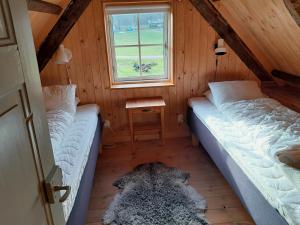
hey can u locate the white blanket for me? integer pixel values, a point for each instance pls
(59, 121)
(264, 171)
(270, 127)
(71, 139)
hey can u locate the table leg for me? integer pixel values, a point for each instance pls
(162, 124)
(130, 120)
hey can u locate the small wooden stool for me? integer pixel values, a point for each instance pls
(144, 106)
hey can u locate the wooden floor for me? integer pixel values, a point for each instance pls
(224, 207)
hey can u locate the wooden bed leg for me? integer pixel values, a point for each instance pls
(195, 141)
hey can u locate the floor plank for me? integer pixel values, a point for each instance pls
(224, 208)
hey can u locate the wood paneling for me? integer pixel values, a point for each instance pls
(194, 67)
(268, 29)
(288, 96)
(60, 30)
(42, 23)
(224, 207)
(221, 26)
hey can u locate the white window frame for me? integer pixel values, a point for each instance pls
(134, 8)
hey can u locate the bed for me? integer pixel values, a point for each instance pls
(261, 184)
(76, 148)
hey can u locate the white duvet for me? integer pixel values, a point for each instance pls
(271, 128)
(59, 121)
(71, 140)
(252, 132)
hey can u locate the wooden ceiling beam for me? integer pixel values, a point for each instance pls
(221, 26)
(45, 7)
(293, 7)
(60, 31)
(291, 78)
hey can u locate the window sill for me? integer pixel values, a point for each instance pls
(142, 85)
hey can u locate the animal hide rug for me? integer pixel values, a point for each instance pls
(154, 194)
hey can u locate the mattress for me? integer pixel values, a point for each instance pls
(72, 155)
(263, 172)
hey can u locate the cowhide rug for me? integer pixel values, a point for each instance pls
(154, 194)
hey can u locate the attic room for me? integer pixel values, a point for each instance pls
(151, 112)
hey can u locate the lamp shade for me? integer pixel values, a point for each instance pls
(220, 48)
(63, 55)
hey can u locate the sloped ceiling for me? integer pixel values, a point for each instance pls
(268, 29)
(42, 23)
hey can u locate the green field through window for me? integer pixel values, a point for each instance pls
(132, 57)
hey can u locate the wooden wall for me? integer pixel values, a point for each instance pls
(42, 23)
(195, 66)
(268, 29)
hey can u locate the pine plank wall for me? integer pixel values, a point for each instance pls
(194, 67)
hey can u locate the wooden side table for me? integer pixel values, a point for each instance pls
(144, 106)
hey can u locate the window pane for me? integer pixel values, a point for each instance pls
(152, 61)
(127, 60)
(124, 28)
(152, 28)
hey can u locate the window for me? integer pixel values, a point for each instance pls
(139, 43)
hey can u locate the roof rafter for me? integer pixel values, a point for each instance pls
(291, 78)
(43, 6)
(223, 28)
(60, 31)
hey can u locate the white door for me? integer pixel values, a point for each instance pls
(26, 157)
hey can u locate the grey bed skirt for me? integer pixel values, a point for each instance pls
(81, 204)
(255, 203)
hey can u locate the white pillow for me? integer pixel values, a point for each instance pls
(230, 91)
(60, 97)
(209, 96)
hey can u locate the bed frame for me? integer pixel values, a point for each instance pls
(81, 204)
(255, 203)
